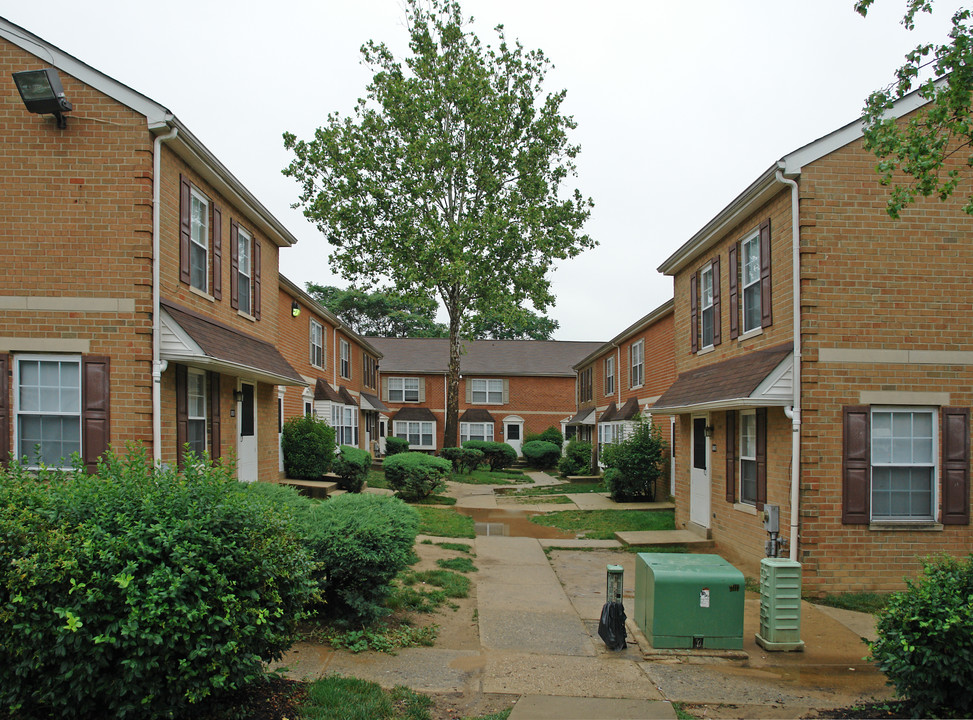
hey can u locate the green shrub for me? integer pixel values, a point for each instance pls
(352, 466)
(416, 476)
(541, 455)
(640, 460)
(925, 639)
(308, 446)
(499, 455)
(140, 592)
(396, 445)
(551, 435)
(576, 460)
(463, 459)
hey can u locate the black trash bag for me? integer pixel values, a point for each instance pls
(611, 628)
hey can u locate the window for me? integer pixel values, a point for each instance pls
(317, 344)
(750, 280)
(610, 375)
(196, 430)
(903, 451)
(244, 272)
(344, 419)
(748, 458)
(345, 368)
(403, 389)
(610, 433)
(488, 391)
(707, 310)
(369, 371)
(418, 433)
(479, 431)
(198, 240)
(585, 391)
(48, 408)
(636, 360)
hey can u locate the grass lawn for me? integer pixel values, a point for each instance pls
(603, 524)
(860, 602)
(563, 489)
(348, 698)
(485, 477)
(440, 522)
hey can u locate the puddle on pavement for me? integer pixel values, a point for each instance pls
(511, 523)
(860, 678)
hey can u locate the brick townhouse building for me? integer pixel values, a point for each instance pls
(508, 388)
(825, 365)
(139, 299)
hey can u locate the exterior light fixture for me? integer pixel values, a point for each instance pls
(42, 93)
(295, 308)
(238, 396)
(709, 431)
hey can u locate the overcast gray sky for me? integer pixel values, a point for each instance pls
(680, 105)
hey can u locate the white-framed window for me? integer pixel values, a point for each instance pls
(196, 429)
(419, 433)
(344, 420)
(748, 458)
(488, 391)
(707, 311)
(403, 389)
(637, 363)
(477, 431)
(317, 344)
(903, 459)
(345, 369)
(750, 281)
(610, 375)
(198, 240)
(47, 401)
(244, 271)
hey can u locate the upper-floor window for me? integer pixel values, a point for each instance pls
(610, 375)
(403, 389)
(317, 344)
(903, 459)
(748, 458)
(637, 363)
(244, 272)
(585, 388)
(198, 240)
(345, 368)
(706, 307)
(488, 391)
(369, 370)
(750, 280)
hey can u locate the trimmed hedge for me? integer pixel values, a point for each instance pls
(576, 460)
(499, 455)
(468, 459)
(416, 476)
(396, 445)
(352, 466)
(640, 460)
(551, 435)
(541, 455)
(308, 446)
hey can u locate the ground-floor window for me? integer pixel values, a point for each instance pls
(748, 458)
(477, 431)
(420, 434)
(344, 419)
(47, 396)
(903, 459)
(196, 406)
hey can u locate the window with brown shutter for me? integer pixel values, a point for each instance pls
(734, 276)
(761, 457)
(855, 465)
(95, 407)
(185, 190)
(717, 310)
(694, 312)
(182, 412)
(956, 466)
(4, 409)
(256, 278)
(234, 265)
(217, 241)
(214, 410)
(731, 461)
(766, 308)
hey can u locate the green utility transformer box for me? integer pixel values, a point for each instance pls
(685, 600)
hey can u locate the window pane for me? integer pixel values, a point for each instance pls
(748, 481)
(751, 307)
(196, 436)
(748, 436)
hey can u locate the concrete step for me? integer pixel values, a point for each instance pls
(313, 488)
(660, 538)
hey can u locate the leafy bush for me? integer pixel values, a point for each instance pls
(499, 455)
(308, 446)
(468, 459)
(415, 475)
(541, 455)
(925, 639)
(576, 460)
(551, 435)
(139, 592)
(352, 466)
(396, 445)
(640, 460)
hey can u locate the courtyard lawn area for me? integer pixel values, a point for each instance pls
(376, 478)
(440, 522)
(562, 489)
(603, 524)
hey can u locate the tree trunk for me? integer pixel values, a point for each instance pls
(451, 431)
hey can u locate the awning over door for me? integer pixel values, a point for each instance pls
(371, 402)
(585, 417)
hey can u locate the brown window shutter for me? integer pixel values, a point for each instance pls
(506, 391)
(182, 412)
(766, 307)
(731, 458)
(856, 465)
(256, 279)
(217, 241)
(694, 311)
(761, 458)
(717, 311)
(234, 265)
(95, 405)
(185, 225)
(956, 466)
(734, 280)
(469, 390)
(385, 389)
(422, 389)
(4, 409)
(215, 419)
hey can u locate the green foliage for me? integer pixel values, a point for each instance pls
(381, 313)
(308, 446)
(463, 459)
(925, 639)
(499, 455)
(416, 475)
(347, 698)
(140, 592)
(603, 524)
(914, 157)
(541, 455)
(453, 584)
(576, 460)
(872, 603)
(551, 435)
(438, 522)
(395, 445)
(459, 564)
(352, 466)
(458, 547)
(379, 638)
(513, 323)
(640, 460)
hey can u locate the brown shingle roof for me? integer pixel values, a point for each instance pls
(346, 397)
(477, 415)
(324, 391)
(609, 414)
(629, 410)
(415, 414)
(374, 402)
(585, 417)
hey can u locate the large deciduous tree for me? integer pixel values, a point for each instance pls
(380, 314)
(914, 157)
(447, 179)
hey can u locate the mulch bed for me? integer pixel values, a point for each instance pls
(891, 709)
(276, 699)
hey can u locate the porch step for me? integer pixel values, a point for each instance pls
(314, 488)
(661, 538)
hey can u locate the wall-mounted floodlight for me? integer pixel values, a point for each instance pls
(295, 309)
(42, 93)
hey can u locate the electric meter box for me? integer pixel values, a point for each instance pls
(684, 600)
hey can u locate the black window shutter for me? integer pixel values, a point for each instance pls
(731, 459)
(717, 314)
(234, 265)
(734, 271)
(217, 253)
(185, 207)
(256, 280)
(4, 409)
(95, 406)
(214, 410)
(694, 311)
(761, 458)
(766, 306)
(182, 412)
(956, 466)
(856, 464)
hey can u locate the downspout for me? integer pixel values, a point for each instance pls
(794, 412)
(158, 365)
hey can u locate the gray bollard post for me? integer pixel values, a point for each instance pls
(616, 581)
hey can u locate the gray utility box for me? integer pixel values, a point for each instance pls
(684, 600)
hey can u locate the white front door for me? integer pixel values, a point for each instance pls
(699, 489)
(382, 425)
(513, 432)
(246, 451)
